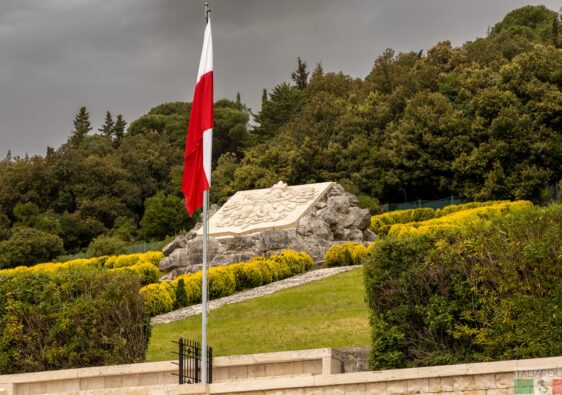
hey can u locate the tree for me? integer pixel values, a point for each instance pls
(81, 127)
(283, 104)
(263, 97)
(119, 129)
(107, 128)
(26, 214)
(27, 246)
(106, 245)
(555, 32)
(164, 215)
(5, 231)
(300, 75)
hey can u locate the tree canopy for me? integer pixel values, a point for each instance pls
(480, 121)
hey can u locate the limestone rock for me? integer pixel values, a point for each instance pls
(323, 214)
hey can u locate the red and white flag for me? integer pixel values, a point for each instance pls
(198, 147)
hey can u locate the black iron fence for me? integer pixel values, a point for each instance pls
(190, 361)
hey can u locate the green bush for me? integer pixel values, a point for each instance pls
(74, 318)
(106, 245)
(181, 295)
(485, 291)
(27, 246)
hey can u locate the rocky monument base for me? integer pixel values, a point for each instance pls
(263, 222)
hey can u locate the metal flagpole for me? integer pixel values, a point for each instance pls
(205, 294)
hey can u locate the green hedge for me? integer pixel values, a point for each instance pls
(483, 292)
(224, 281)
(73, 318)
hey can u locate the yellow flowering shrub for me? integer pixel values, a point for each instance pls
(225, 280)
(457, 218)
(145, 271)
(108, 262)
(55, 266)
(380, 224)
(345, 254)
(158, 298)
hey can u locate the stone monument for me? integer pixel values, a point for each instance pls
(263, 222)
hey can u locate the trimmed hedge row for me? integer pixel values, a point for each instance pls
(224, 281)
(62, 319)
(489, 290)
(457, 218)
(144, 266)
(381, 224)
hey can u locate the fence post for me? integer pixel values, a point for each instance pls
(210, 361)
(181, 361)
(197, 357)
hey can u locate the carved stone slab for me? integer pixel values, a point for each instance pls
(258, 210)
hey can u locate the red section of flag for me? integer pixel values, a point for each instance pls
(201, 119)
(557, 386)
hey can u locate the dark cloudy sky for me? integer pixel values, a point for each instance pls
(129, 55)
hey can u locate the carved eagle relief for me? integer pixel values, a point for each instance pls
(272, 205)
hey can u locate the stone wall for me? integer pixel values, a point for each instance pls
(323, 378)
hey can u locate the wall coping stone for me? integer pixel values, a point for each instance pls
(166, 366)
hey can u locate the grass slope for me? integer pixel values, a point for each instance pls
(327, 313)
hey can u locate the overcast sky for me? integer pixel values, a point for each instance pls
(127, 56)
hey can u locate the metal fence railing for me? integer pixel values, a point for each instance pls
(439, 203)
(190, 361)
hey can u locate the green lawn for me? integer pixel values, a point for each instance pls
(326, 313)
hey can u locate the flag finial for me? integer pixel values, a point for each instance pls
(207, 12)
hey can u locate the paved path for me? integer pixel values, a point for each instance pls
(252, 293)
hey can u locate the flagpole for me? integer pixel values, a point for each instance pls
(204, 291)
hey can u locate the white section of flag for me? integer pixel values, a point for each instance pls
(207, 153)
(206, 62)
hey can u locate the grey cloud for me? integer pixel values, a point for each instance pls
(129, 55)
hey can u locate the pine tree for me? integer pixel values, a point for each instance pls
(263, 97)
(8, 157)
(107, 127)
(238, 100)
(317, 72)
(119, 129)
(81, 127)
(300, 75)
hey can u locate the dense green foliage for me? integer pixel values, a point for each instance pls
(27, 244)
(67, 319)
(487, 291)
(106, 245)
(125, 185)
(481, 121)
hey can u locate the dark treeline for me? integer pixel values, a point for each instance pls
(481, 121)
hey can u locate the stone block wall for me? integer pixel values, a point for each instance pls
(313, 372)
